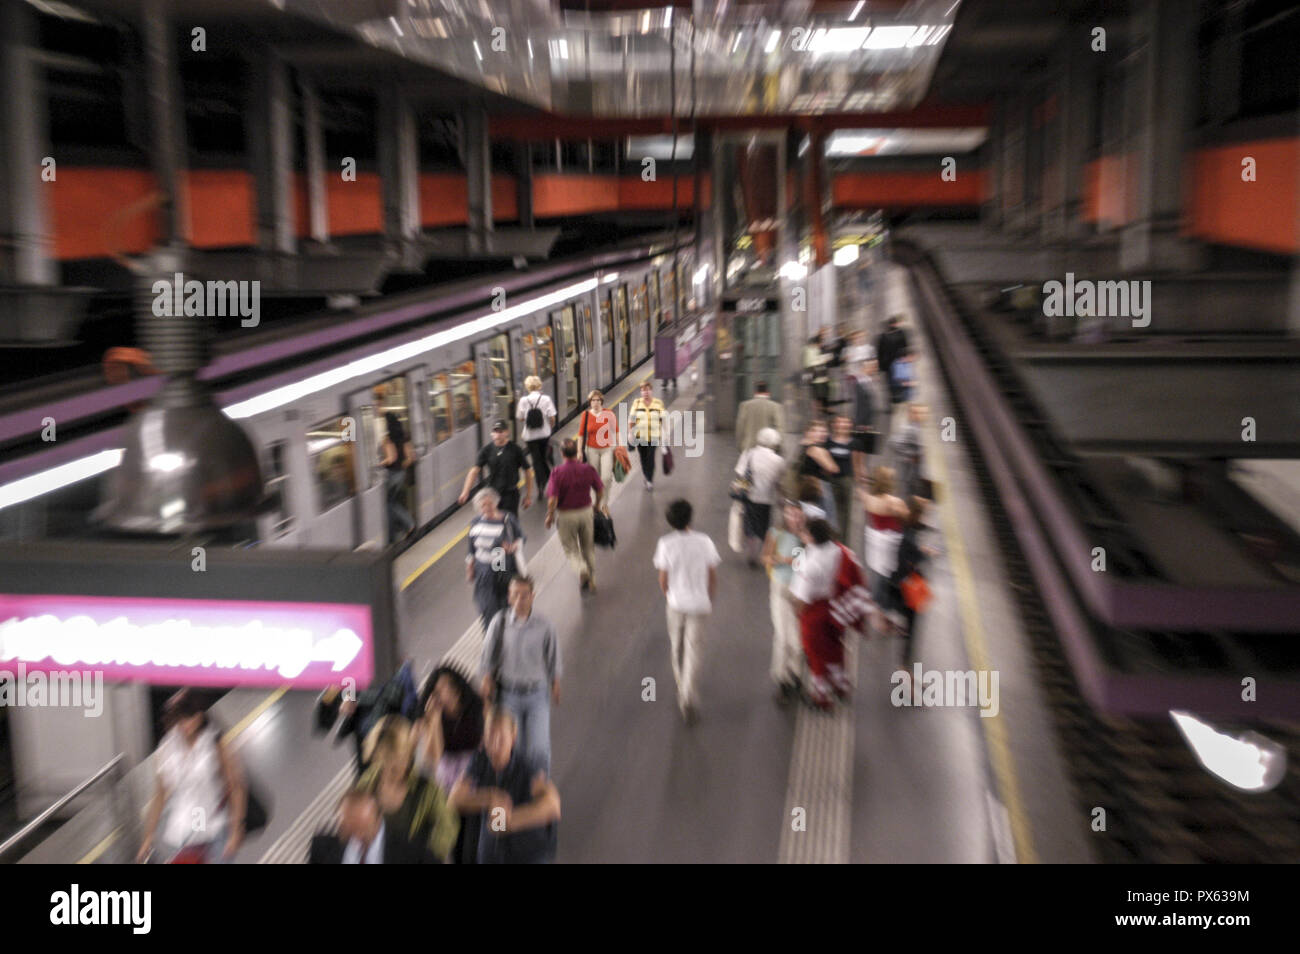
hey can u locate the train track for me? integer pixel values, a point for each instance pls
(1160, 805)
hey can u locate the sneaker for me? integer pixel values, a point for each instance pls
(649, 484)
(690, 715)
(584, 585)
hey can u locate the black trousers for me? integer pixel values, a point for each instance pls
(647, 452)
(541, 465)
(510, 501)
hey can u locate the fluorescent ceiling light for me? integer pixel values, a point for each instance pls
(920, 36)
(773, 39)
(839, 39)
(856, 10)
(845, 255)
(1248, 761)
(794, 271)
(56, 478)
(889, 37)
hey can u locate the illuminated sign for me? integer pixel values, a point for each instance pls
(190, 641)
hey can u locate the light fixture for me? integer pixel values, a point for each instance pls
(889, 38)
(772, 40)
(794, 271)
(845, 255)
(856, 10)
(1247, 761)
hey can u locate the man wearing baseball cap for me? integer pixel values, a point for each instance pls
(502, 459)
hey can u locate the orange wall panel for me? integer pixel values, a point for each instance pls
(81, 203)
(355, 208)
(223, 209)
(557, 195)
(905, 189)
(1264, 214)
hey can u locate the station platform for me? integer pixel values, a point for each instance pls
(877, 783)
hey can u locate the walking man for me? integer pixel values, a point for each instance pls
(758, 412)
(520, 667)
(569, 503)
(687, 562)
(502, 459)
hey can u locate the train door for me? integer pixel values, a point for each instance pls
(496, 381)
(567, 382)
(537, 351)
(394, 418)
(640, 323)
(423, 479)
(279, 525)
(454, 401)
(345, 455)
(586, 329)
(607, 344)
(623, 330)
(653, 292)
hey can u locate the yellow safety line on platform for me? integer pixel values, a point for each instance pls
(973, 631)
(93, 855)
(541, 492)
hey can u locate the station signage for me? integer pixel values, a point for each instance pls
(140, 612)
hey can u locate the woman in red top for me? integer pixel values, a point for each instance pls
(598, 436)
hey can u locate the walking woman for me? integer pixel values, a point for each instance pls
(536, 417)
(840, 446)
(912, 557)
(199, 787)
(493, 561)
(649, 429)
(884, 520)
(816, 461)
(782, 546)
(761, 467)
(446, 737)
(598, 436)
(415, 806)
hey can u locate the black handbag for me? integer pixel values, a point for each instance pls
(602, 528)
(255, 813)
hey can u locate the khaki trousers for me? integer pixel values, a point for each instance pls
(578, 541)
(684, 636)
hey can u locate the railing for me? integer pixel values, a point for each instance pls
(112, 767)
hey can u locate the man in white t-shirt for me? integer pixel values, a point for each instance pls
(687, 562)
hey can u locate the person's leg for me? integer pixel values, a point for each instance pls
(842, 491)
(647, 454)
(587, 543)
(510, 502)
(536, 732)
(541, 469)
(691, 630)
(777, 604)
(607, 468)
(818, 683)
(676, 624)
(569, 525)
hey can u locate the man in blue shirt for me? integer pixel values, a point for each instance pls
(520, 806)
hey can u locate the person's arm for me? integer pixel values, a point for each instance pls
(768, 556)
(156, 806)
(741, 424)
(390, 452)
(663, 581)
(409, 451)
(238, 795)
(823, 457)
(434, 744)
(713, 582)
(551, 649)
(601, 504)
(470, 480)
(468, 800)
(528, 480)
(488, 688)
(542, 810)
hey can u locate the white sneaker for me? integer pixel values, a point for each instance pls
(648, 484)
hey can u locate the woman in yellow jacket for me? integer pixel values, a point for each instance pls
(647, 424)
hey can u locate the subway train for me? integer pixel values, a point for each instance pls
(314, 399)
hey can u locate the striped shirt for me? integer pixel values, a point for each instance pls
(486, 536)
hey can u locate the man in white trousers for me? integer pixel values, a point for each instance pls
(687, 562)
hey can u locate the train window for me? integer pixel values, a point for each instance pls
(390, 398)
(277, 489)
(569, 351)
(607, 317)
(332, 455)
(528, 345)
(464, 395)
(586, 324)
(440, 406)
(545, 353)
(654, 300)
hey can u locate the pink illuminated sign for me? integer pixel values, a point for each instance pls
(189, 642)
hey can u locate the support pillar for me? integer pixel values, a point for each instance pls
(270, 146)
(313, 138)
(478, 173)
(1069, 137)
(991, 207)
(1012, 155)
(524, 184)
(24, 133)
(1160, 111)
(399, 168)
(166, 120)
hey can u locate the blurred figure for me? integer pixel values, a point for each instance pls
(494, 538)
(840, 446)
(859, 350)
(649, 429)
(503, 459)
(827, 592)
(815, 359)
(398, 456)
(757, 413)
(598, 432)
(198, 786)
(569, 501)
(884, 530)
(687, 562)
(780, 550)
(536, 418)
(889, 345)
(446, 737)
(414, 806)
(902, 383)
(912, 558)
(815, 461)
(364, 838)
(521, 668)
(909, 450)
(517, 804)
(762, 468)
(868, 402)
(356, 717)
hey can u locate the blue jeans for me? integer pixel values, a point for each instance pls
(399, 518)
(532, 710)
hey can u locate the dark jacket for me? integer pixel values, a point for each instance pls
(889, 346)
(328, 850)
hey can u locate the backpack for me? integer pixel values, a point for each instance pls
(534, 420)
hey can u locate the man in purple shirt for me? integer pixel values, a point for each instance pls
(569, 493)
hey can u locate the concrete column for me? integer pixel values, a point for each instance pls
(524, 183)
(24, 138)
(1070, 136)
(167, 122)
(314, 147)
(991, 208)
(399, 167)
(270, 148)
(478, 174)
(1160, 92)
(1012, 155)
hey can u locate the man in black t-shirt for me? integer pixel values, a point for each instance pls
(502, 459)
(520, 806)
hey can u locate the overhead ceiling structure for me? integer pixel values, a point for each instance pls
(749, 58)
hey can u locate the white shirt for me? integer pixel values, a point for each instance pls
(766, 468)
(687, 556)
(814, 574)
(374, 854)
(195, 785)
(543, 403)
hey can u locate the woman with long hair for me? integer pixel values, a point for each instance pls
(415, 805)
(446, 737)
